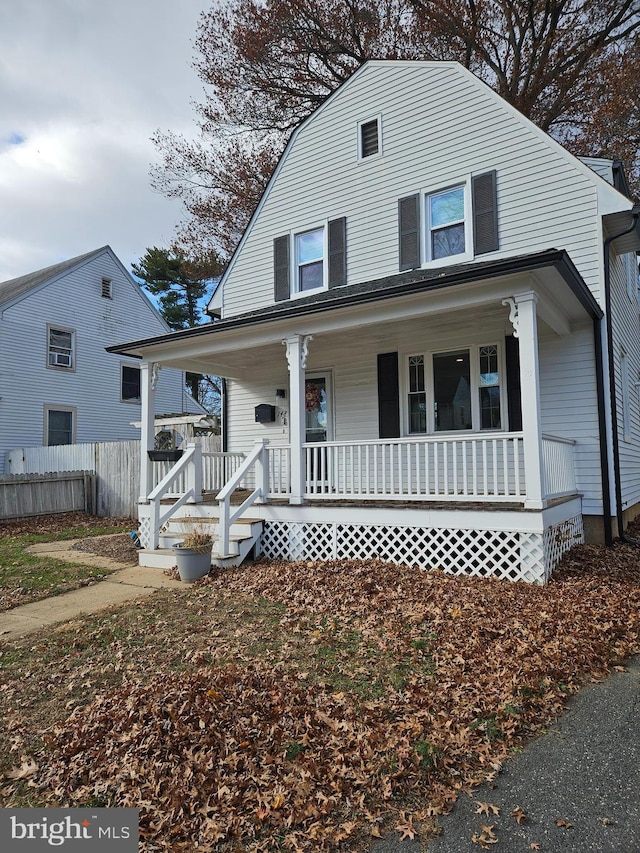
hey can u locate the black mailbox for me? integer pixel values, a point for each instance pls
(265, 414)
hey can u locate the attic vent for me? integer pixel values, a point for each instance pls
(106, 288)
(369, 138)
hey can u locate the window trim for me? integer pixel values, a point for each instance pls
(52, 407)
(64, 368)
(136, 401)
(378, 154)
(474, 363)
(294, 293)
(625, 384)
(631, 275)
(425, 228)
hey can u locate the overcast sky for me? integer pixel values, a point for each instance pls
(83, 85)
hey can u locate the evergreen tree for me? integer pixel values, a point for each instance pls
(179, 283)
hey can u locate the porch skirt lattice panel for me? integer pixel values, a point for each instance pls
(559, 539)
(511, 555)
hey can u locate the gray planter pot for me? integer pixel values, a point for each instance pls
(193, 563)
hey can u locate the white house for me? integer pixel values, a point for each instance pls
(430, 328)
(58, 385)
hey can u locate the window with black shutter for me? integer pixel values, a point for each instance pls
(409, 231)
(456, 222)
(485, 213)
(337, 252)
(310, 260)
(388, 395)
(281, 275)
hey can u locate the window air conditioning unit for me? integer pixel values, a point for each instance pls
(60, 359)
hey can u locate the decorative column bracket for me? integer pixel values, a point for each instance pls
(297, 346)
(514, 318)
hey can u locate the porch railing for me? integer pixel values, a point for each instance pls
(470, 468)
(217, 468)
(559, 473)
(466, 468)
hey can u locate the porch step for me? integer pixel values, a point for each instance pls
(239, 546)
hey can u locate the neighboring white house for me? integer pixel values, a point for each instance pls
(432, 320)
(58, 385)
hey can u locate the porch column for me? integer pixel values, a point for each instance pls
(297, 348)
(148, 382)
(525, 324)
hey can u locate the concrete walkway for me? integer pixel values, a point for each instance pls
(125, 584)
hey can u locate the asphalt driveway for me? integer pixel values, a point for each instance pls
(576, 788)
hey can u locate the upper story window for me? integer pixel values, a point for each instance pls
(309, 254)
(310, 260)
(448, 224)
(369, 141)
(106, 291)
(60, 345)
(130, 384)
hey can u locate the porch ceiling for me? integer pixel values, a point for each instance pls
(230, 347)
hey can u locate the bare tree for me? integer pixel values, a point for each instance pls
(566, 64)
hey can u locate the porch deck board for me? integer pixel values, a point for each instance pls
(209, 499)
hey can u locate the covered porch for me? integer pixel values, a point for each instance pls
(304, 424)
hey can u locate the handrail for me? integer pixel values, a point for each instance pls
(170, 476)
(259, 458)
(191, 462)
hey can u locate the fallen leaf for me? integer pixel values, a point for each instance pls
(27, 768)
(519, 814)
(564, 823)
(485, 838)
(486, 808)
(406, 829)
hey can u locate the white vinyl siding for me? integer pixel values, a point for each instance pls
(545, 199)
(626, 335)
(74, 301)
(568, 398)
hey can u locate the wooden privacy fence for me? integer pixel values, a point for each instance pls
(22, 495)
(115, 464)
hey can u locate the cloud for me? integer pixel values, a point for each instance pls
(84, 86)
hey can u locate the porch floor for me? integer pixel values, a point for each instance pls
(240, 495)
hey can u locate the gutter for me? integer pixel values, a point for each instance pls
(635, 213)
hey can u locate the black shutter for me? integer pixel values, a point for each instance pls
(485, 213)
(514, 398)
(337, 252)
(409, 232)
(281, 268)
(388, 395)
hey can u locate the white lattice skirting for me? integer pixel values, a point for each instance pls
(512, 555)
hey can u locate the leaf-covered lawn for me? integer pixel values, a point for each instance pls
(26, 577)
(306, 706)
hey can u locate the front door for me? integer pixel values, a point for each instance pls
(318, 428)
(316, 407)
